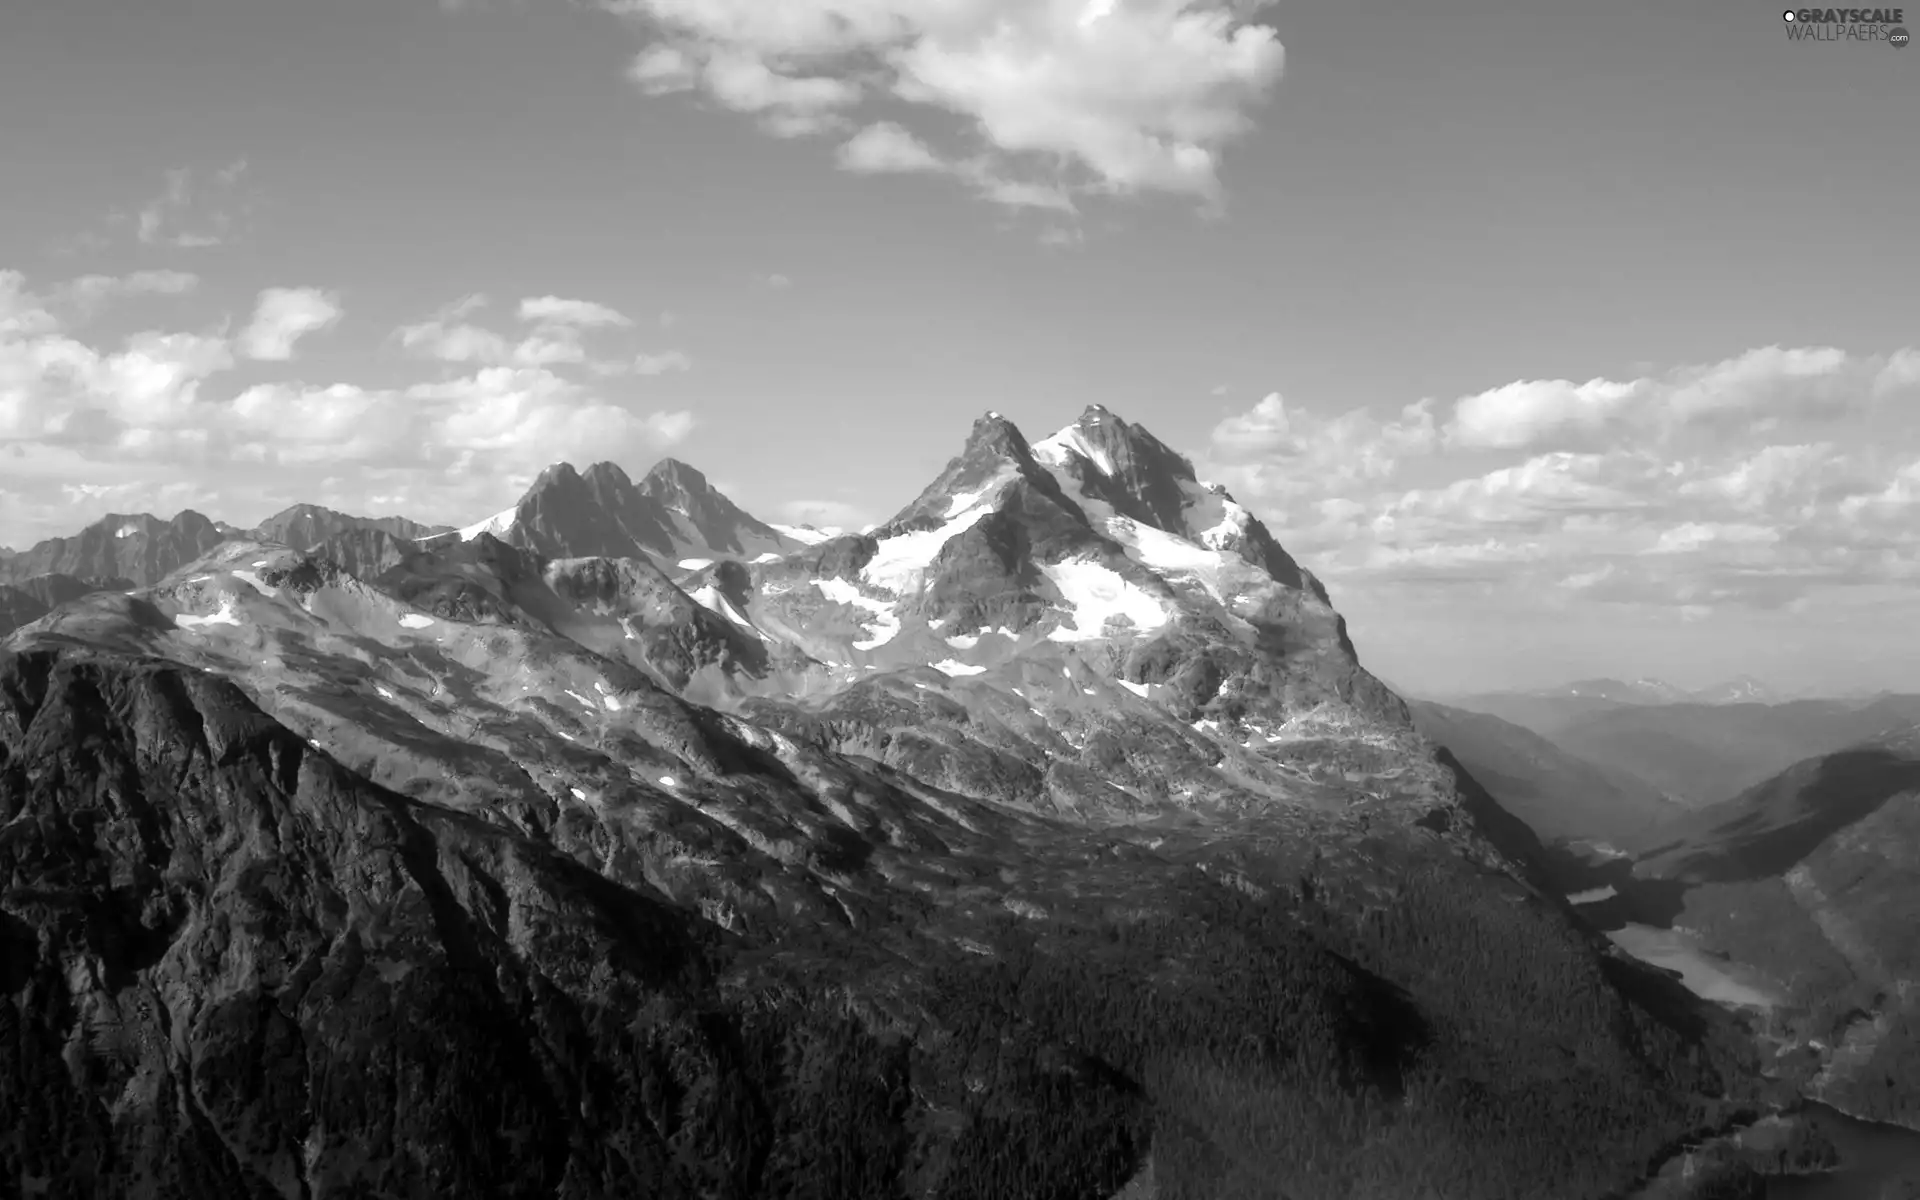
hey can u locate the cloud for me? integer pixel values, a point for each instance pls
(89, 292)
(1775, 478)
(192, 211)
(661, 364)
(1104, 97)
(585, 313)
(1771, 382)
(558, 338)
(156, 409)
(285, 315)
(885, 147)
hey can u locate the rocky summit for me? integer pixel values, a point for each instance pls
(1048, 840)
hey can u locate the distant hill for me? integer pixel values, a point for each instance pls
(1559, 795)
(1699, 753)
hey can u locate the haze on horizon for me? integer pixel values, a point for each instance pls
(1521, 329)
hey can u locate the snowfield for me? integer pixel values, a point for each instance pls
(416, 621)
(1097, 595)
(253, 581)
(806, 536)
(695, 564)
(1055, 451)
(226, 616)
(496, 524)
(900, 561)
(955, 667)
(885, 625)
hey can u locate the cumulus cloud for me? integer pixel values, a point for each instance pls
(1119, 98)
(559, 337)
(584, 313)
(283, 316)
(156, 409)
(885, 147)
(1771, 382)
(1756, 483)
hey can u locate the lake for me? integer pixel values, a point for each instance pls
(1705, 976)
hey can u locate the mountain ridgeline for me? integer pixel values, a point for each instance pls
(1047, 841)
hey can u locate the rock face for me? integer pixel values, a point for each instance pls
(140, 547)
(672, 514)
(303, 526)
(1050, 828)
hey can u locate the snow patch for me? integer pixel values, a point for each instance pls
(253, 581)
(1138, 689)
(195, 579)
(1098, 594)
(955, 667)
(669, 781)
(695, 564)
(901, 560)
(808, 536)
(709, 598)
(226, 616)
(584, 702)
(383, 692)
(884, 626)
(416, 621)
(567, 735)
(1592, 896)
(963, 642)
(126, 531)
(1056, 450)
(578, 794)
(768, 557)
(496, 524)
(612, 703)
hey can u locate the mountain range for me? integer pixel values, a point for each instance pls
(1047, 839)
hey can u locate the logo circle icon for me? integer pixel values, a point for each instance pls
(1789, 15)
(1898, 36)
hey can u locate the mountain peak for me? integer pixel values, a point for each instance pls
(671, 476)
(606, 474)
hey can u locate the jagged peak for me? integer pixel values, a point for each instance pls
(607, 472)
(674, 473)
(560, 472)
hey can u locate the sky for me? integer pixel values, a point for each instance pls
(1559, 340)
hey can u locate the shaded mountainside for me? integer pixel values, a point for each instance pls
(1557, 794)
(31, 599)
(141, 548)
(234, 966)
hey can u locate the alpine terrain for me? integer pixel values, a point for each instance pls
(1048, 840)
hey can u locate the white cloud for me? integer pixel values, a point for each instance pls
(1119, 98)
(285, 315)
(1768, 383)
(661, 364)
(193, 211)
(151, 409)
(585, 313)
(885, 147)
(558, 338)
(91, 291)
